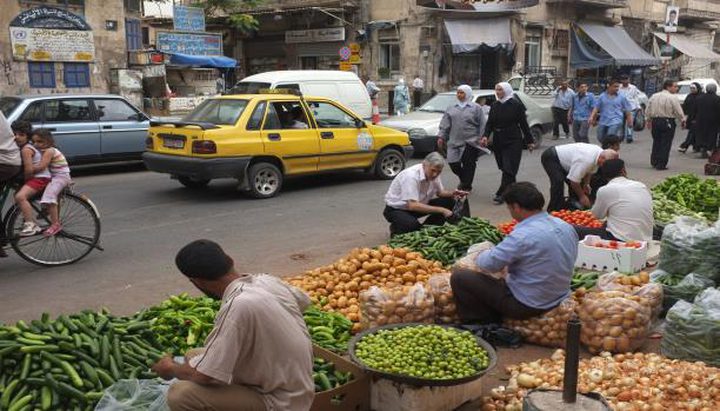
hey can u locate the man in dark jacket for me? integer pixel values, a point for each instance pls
(689, 108)
(707, 120)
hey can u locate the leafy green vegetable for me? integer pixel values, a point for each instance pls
(692, 192)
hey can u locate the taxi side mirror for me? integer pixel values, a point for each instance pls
(359, 123)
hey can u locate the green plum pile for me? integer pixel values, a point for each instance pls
(423, 351)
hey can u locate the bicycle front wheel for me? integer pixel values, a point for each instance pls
(79, 235)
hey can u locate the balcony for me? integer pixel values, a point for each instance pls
(604, 4)
(699, 10)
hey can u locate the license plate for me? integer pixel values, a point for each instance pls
(173, 142)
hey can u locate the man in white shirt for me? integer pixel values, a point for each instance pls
(10, 160)
(573, 164)
(632, 94)
(418, 192)
(627, 205)
(418, 86)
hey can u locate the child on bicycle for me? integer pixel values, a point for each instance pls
(53, 159)
(36, 177)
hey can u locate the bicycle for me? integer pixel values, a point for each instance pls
(79, 236)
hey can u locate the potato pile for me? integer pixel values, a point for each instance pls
(445, 307)
(548, 330)
(337, 287)
(400, 304)
(614, 321)
(636, 284)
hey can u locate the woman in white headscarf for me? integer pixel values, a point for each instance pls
(460, 130)
(401, 100)
(507, 125)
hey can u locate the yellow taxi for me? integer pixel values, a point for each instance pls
(259, 139)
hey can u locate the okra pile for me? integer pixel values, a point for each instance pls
(66, 363)
(448, 242)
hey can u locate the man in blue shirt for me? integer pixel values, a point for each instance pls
(579, 115)
(539, 255)
(560, 107)
(615, 112)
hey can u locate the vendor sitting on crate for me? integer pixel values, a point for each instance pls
(418, 192)
(539, 256)
(626, 204)
(258, 355)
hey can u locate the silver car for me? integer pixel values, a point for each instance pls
(87, 128)
(422, 124)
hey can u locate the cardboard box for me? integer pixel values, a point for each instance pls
(624, 260)
(394, 396)
(353, 396)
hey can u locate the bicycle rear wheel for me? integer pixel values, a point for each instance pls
(80, 233)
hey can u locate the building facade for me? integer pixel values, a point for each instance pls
(65, 46)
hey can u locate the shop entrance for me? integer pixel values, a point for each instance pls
(481, 70)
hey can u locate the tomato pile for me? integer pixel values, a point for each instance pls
(614, 245)
(577, 217)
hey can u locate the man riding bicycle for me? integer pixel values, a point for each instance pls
(9, 164)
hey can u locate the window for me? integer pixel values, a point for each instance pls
(33, 113)
(115, 110)
(133, 34)
(42, 75)
(256, 118)
(286, 116)
(330, 116)
(76, 75)
(390, 57)
(218, 111)
(67, 111)
(8, 105)
(132, 5)
(532, 51)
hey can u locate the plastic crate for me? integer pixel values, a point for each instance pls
(624, 260)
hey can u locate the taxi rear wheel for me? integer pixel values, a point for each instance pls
(265, 180)
(193, 183)
(389, 163)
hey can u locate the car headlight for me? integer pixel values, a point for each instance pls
(417, 133)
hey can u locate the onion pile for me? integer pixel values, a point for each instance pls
(630, 382)
(445, 306)
(549, 329)
(614, 321)
(337, 287)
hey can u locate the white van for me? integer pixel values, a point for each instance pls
(684, 86)
(342, 86)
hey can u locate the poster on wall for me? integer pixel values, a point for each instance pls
(672, 16)
(39, 44)
(196, 44)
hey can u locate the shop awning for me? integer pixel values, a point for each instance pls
(179, 59)
(467, 36)
(615, 43)
(689, 46)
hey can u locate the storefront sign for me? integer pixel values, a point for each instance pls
(312, 36)
(49, 17)
(33, 44)
(196, 44)
(188, 18)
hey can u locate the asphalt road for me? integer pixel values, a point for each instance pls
(147, 217)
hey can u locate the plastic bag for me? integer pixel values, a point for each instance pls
(445, 306)
(690, 246)
(402, 304)
(614, 321)
(635, 285)
(549, 329)
(692, 330)
(686, 289)
(468, 262)
(135, 395)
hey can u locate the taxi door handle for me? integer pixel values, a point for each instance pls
(274, 137)
(327, 135)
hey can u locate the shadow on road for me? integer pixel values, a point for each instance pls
(85, 170)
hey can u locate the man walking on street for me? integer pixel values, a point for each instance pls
(614, 110)
(632, 94)
(560, 107)
(707, 120)
(579, 115)
(663, 113)
(418, 86)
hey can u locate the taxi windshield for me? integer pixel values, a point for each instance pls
(218, 111)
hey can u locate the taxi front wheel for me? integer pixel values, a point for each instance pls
(388, 164)
(265, 180)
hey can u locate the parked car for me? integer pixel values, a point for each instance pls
(422, 124)
(343, 86)
(261, 139)
(87, 128)
(684, 86)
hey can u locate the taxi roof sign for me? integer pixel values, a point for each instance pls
(291, 91)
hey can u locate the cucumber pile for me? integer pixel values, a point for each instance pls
(328, 330)
(326, 377)
(448, 242)
(66, 363)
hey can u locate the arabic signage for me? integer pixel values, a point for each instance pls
(196, 44)
(481, 6)
(314, 36)
(188, 18)
(31, 44)
(51, 18)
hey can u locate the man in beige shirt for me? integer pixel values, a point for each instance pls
(258, 355)
(663, 112)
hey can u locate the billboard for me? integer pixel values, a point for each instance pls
(39, 44)
(196, 44)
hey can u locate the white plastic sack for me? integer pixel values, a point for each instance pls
(135, 395)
